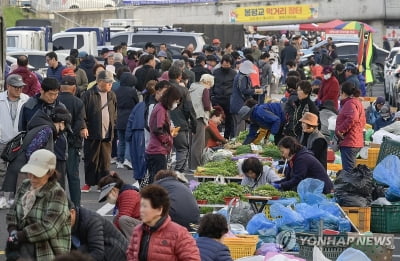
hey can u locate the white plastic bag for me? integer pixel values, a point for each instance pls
(318, 255)
(351, 254)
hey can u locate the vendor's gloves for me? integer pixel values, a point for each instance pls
(277, 186)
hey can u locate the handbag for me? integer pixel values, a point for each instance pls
(13, 147)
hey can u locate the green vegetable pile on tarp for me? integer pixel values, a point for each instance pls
(272, 151)
(269, 191)
(215, 193)
(226, 168)
(242, 136)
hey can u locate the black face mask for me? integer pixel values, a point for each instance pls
(225, 70)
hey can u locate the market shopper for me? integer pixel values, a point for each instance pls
(350, 125)
(200, 95)
(126, 200)
(184, 209)
(96, 236)
(256, 174)
(39, 222)
(211, 231)
(159, 238)
(313, 139)
(301, 164)
(161, 134)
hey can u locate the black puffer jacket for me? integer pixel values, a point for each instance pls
(145, 74)
(98, 237)
(87, 65)
(223, 85)
(127, 98)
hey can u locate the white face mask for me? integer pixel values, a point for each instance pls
(327, 76)
(174, 105)
(111, 198)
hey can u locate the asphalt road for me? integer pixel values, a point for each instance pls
(89, 200)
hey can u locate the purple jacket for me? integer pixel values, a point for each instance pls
(160, 135)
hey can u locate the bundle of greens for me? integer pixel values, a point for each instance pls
(272, 151)
(269, 191)
(215, 193)
(226, 168)
(242, 136)
(243, 149)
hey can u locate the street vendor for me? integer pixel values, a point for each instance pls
(268, 116)
(213, 138)
(255, 174)
(301, 165)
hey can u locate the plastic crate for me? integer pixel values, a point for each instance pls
(334, 167)
(372, 158)
(388, 147)
(360, 216)
(330, 251)
(241, 246)
(378, 251)
(386, 218)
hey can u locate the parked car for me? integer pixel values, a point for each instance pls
(37, 59)
(172, 49)
(80, 4)
(159, 36)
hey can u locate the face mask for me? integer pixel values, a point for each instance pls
(111, 198)
(327, 76)
(225, 70)
(174, 105)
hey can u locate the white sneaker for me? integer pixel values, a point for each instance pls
(136, 184)
(127, 164)
(113, 160)
(120, 165)
(3, 203)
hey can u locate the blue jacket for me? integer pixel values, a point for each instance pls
(212, 250)
(134, 135)
(242, 91)
(380, 122)
(304, 165)
(354, 79)
(55, 72)
(267, 116)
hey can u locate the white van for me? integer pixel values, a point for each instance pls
(159, 36)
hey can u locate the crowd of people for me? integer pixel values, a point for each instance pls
(135, 109)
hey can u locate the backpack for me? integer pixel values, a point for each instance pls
(13, 147)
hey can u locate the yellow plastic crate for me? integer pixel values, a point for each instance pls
(360, 216)
(372, 158)
(242, 245)
(334, 167)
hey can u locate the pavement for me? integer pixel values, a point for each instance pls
(89, 200)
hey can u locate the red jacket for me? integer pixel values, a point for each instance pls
(128, 204)
(329, 91)
(351, 122)
(160, 135)
(170, 242)
(214, 137)
(32, 86)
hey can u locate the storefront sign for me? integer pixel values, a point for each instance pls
(273, 13)
(341, 33)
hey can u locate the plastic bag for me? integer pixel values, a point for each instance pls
(260, 225)
(268, 247)
(284, 201)
(281, 257)
(351, 254)
(381, 202)
(387, 171)
(241, 213)
(318, 255)
(285, 216)
(310, 191)
(331, 208)
(308, 211)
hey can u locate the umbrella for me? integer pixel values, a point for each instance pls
(354, 25)
(330, 25)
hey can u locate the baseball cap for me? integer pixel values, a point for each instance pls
(254, 43)
(244, 112)
(104, 50)
(82, 54)
(316, 82)
(40, 162)
(327, 69)
(200, 58)
(68, 80)
(105, 190)
(385, 111)
(162, 54)
(380, 100)
(15, 80)
(210, 49)
(110, 68)
(216, 41)
(106, 76)
(350, 66)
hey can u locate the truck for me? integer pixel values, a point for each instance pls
(29, 37)
(63, 42)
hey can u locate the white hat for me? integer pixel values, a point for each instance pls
(246, 67)
(397, 115)
(254, 43)
(40, 162)
(110, 68)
